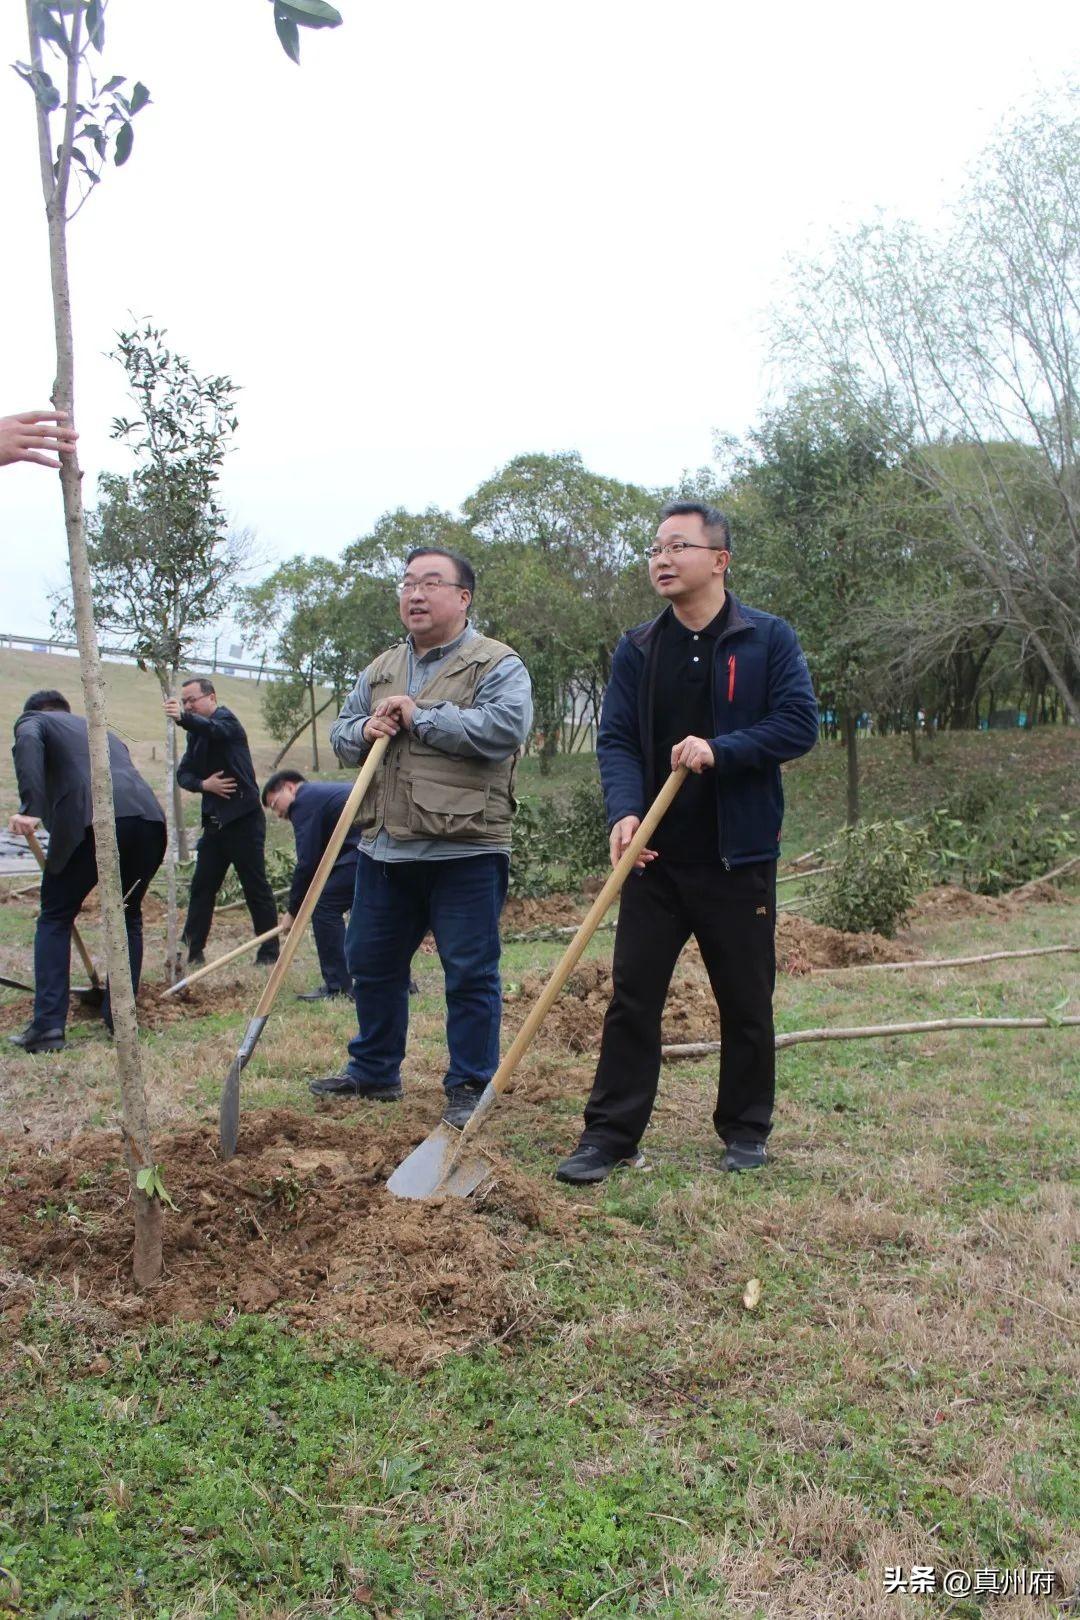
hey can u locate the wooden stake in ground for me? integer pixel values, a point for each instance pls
(795, 1037)
(945, 961)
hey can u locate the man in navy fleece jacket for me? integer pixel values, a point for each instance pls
(314, 809)
(724, 690)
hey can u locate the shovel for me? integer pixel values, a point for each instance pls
(441, 1165)
(229, 1121)
(93, 995)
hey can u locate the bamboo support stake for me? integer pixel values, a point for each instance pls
(796, 1037)
(946, 961)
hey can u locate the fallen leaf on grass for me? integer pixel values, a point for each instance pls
(752, 1293)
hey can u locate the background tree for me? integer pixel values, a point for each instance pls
(96, 119)
(161, 554)
(816, 502)
(561, 560)
(972, 337)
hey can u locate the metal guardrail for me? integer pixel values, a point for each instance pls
(197, 662)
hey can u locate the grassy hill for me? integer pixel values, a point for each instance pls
(1042, 765)
(134, 706)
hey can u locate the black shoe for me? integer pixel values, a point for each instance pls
(262, 960)
(414, 988)
(461, 1102)
(588, 1163)
(196, 959)
(744, 1156)
(323, 993)
(33, 1039)
(346, 1085)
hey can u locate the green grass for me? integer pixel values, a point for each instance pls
(904, 1393)
(641, 1443)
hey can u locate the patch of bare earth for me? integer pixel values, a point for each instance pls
(299, 1223)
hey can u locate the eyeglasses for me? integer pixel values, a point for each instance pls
(675, 548)
(430, 582)
(189, 703)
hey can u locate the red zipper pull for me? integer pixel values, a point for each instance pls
(731, 678)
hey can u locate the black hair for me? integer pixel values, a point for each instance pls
(466, 574)
(48, 698)
(279, 779)
(715, 523)
(206, 687)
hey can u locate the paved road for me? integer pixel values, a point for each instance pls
(15, 857)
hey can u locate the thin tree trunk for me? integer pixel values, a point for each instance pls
(183, 849)
(136, 1127)
(852, 751)
(914, 728)
(314, 727)
(299, 732)
(167, 682)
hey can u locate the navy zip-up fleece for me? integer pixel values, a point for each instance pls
(764, 712)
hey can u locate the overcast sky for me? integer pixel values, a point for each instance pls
(457, 233)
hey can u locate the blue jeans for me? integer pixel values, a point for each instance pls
(328, 927)
(395, 904)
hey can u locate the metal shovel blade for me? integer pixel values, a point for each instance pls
(424, 1173)
(229, 1117)
(89, 995)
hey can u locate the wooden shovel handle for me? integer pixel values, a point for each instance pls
(87, 959)
(322, 872)
(592, 920)
(220, 961)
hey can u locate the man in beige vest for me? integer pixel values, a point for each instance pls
(435, 824)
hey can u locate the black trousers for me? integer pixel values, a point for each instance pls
(242, 843)
(328, 927)
(142, 849)
(732, 915)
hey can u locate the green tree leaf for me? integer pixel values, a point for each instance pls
(310, 13)
(124, 139)
(139, 98)
(95, 24)
(288, 33)
(50, 27)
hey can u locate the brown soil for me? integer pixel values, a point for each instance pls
(299, 1223)
(155, 1010)
(949, 900)
(802, 945)
(547, 911)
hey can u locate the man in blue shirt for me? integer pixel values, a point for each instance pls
(314, 809)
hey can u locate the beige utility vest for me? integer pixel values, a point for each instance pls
(421, 792)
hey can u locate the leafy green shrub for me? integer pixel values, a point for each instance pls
(999, 852)
(880, 867)
(559, 845)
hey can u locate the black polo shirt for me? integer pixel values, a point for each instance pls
(683, 707)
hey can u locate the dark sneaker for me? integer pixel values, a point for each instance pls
(347, 1085)
(266, 960)
(744, 1156)
(587, 1164)
(196, 959)
(323, 993)
(461, 1102)
(33, 1039)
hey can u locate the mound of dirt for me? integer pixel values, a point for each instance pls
(802, 945)
(575, 1020)
(949, 900)
(519, 915)
(300, 1223)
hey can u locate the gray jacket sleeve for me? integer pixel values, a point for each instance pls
(347, 732)
(494, 727)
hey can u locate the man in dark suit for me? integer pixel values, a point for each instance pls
(217, 764)
(314, 809)
(52, 765)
